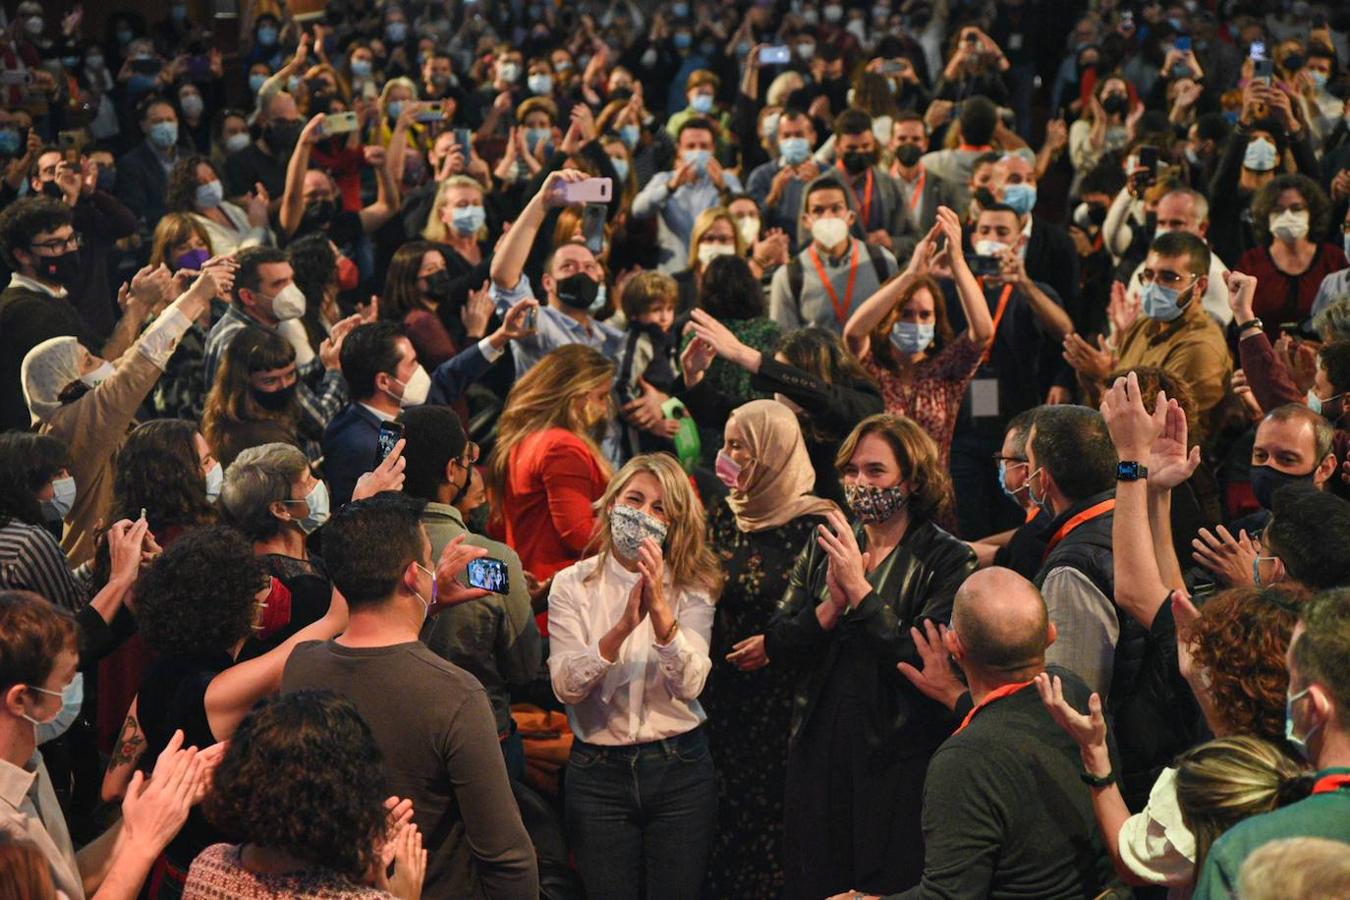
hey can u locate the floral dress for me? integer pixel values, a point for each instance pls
(749, 712)
(933, 397)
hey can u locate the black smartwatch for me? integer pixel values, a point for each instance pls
(1254, 323)
(1098, 781)
(1129, 470)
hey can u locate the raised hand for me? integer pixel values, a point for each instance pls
(387, 476)
(1087, 360)
(1133, 429)
(1229, 558)
(695, 360)
(848, 564)
(748, 654)
(455, 558)
(1123, 310)
(1088, 732)
(477, 311)
(935, 680)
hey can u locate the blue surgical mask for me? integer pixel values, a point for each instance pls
(397, 32)
(318, 503)
(629, 134)
(1260, 155)
(210, 194)
(795, 150)
(63, 496)
(1003, 482)
(1319, 79)
(912, 337)
(683, 40)
(215, 480)
(395, 109)
(164, 134)
(360, 68)
(698, 159)
(1042, 503)
(9, 142)
(1317, 404)
(536, 136)
(680, 10)
(72, 698)
(468, 219)
(267, 36)
(1160, 303)
(620, 167)
(701, 103)
(256, 81)
(1021, 197)
(1298, 743)
(540, 84)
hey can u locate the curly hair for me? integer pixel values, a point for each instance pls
(881, 348)
(303, 775)
(27, 463)
(197, 599)
(181, 193)
(1319, 207)
(1240, 640)
(820, 353)
(158, 470)
(1152, 380)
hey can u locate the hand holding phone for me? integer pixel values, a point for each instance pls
(488, 574)
(591, 190)
(339, 123)
(776, 55)
(390, 434)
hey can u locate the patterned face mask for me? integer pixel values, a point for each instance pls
(629, 527)
(873, 505)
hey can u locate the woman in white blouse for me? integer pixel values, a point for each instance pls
(195, 187)
(629, 630)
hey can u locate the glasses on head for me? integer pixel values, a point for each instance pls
(1164, 277)
(74, 242)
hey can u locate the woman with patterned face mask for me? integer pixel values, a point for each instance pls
(853, 597)
(629, 635)
(1292, 216)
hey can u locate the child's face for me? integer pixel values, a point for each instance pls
(662, 315)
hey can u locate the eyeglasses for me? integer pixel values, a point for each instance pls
(74, 242)
(999, 459)
(1169, 279)
(471, 451)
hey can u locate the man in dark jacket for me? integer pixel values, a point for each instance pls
(143, 173)
(1004, 812)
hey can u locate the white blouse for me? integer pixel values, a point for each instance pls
(649, 692)
(231, 240)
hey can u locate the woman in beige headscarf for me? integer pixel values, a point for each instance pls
(757, 530)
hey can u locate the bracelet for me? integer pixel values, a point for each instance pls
(1098, 781)
(670, 635)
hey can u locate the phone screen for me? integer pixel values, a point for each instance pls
(1258, 50)
(463, 136)
(1148, 159)
(488, 574)
(983, 266)
(1183, 43)
(593, 226)
(390, 434)
(776, 55)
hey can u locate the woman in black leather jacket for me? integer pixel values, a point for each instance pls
(862, 736)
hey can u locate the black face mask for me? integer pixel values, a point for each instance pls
(438, 285)
(63, 269)
(1096, 214)
(578, 291)
(984, 196)
(1266, 480)
(858, 161)
(273, 401)
(318, 215)
(1294, 61)
(908, 154)
(1115, 104)
(281, 137)
(53, 190)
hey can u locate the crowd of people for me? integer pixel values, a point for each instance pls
(781, 448)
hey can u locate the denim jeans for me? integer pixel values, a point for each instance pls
(640, 818)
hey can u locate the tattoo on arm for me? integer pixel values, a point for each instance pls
(130, 744)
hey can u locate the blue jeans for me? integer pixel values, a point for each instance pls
(640, 818)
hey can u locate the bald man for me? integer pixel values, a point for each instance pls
(1005, 813)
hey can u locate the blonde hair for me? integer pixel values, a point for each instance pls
(436, 230)
(546, 397)
(687, 557)
(1223, 781)
(1300, 868)
(782, 87)
(704, 223)
(402, 81)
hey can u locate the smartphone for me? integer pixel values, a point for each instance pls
(592, 190)
(70, 139)
(339, 123)
(464, 138)
(1182, 43)
(1264, 70)
(431, 115)
(891, 67)
(488, 574)
(390, 434)
(1258, 50)
(532, 319)
(1148, 159)
(984, 266)
(146, 66)
(593, 226)
(777, 55)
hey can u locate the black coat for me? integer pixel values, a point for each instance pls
(917, 581)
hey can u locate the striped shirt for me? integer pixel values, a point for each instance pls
(31, 560)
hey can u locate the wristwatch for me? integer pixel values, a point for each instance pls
(1254, 323)
(1098, 781)
(1129, 470)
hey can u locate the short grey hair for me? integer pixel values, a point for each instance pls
(259, 477)
(1333, 322)
(1200, 201)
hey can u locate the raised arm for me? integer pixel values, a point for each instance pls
(980, 325)
(387, 193)
(293, 199)
(509, 261)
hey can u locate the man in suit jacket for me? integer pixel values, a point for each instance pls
(922, 191)
(143, 172)
(881, 215)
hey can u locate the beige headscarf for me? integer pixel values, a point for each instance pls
(779, 481)
(46, 371)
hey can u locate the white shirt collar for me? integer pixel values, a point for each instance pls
(32, 284)
(379, 414)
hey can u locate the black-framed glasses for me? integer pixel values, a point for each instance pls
(74, 242)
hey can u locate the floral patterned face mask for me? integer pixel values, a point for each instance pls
(629, 527)
(873, 505)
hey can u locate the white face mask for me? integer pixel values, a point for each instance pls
(289, 303)
(104, 371)
(708, 252)
(829, 232)
(63, 497)
(415, 389)
(1289, 226)
(749, 228)
(991, 248)
(215, 480)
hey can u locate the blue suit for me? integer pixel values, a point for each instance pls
(351, 439)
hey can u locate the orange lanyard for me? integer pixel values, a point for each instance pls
(840, 309)
(866, 204)
(983, 148)
(1002, 308)
(1087, 515)
(996, 694)
(1330, 783)
(916, 196)
(1031, 514)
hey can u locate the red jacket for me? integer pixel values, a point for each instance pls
(553, 481)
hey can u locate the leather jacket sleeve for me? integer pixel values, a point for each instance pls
(794, 633)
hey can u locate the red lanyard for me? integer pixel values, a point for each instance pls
(916, 195)
(971, 148)
(1328, 784)
(1032, 513)
(840, 309)
(866, 204)
(996, 694)
(1087, 515)
(1002, 308)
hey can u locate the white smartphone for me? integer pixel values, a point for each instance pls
(776, 55)
(592, 190)
(339, 123)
